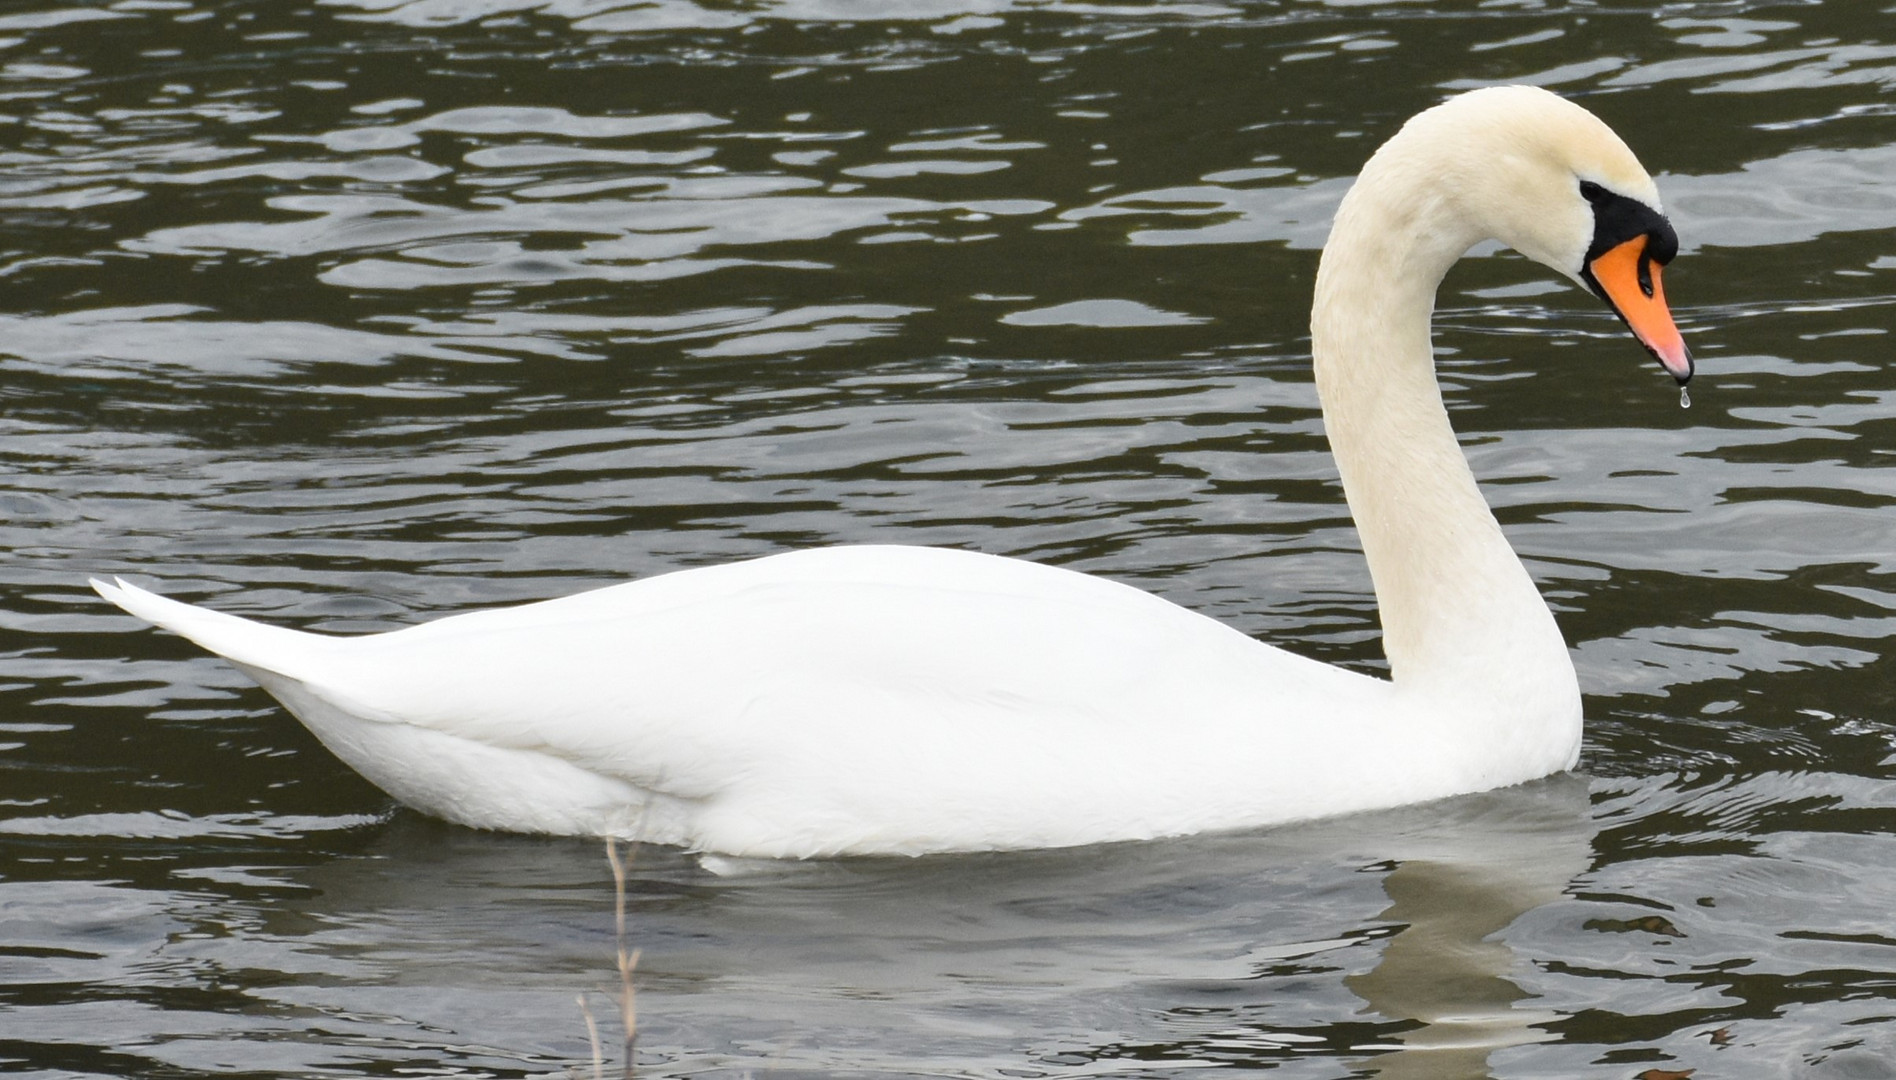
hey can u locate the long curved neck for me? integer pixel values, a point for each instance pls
(1461, 618)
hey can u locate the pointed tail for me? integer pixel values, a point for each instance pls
(251, 644)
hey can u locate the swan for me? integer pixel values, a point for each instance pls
(904, 700)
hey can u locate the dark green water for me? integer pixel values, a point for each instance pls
(352, 314)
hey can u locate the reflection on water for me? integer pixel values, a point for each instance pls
(1202, 952)
(349, 313)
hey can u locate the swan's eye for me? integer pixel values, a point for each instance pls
(1593, 192)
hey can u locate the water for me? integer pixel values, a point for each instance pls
(352, 314)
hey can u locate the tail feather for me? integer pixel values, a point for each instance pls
(252, 644)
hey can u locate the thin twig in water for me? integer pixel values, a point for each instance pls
(628, 960)
(592, 1033)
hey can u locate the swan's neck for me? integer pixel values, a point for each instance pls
(1461, 618)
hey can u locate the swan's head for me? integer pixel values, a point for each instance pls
(1550, 180)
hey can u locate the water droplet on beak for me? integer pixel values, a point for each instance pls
(1685, 398)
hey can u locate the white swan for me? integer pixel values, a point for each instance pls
(904, 700)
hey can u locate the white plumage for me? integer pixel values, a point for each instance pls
(906, 700)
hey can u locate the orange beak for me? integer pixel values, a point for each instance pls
(1629, 280)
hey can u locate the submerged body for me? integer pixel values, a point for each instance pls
(873, 699)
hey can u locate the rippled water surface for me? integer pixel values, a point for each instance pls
(350, 314)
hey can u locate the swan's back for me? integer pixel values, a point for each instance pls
(841, 699)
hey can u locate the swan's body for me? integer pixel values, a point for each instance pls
(898, 699)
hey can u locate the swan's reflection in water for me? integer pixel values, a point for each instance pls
(1519, 849)
(1367, 942)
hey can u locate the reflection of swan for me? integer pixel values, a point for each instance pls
(1444, 967)
(865, 699)
(1262, 949)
